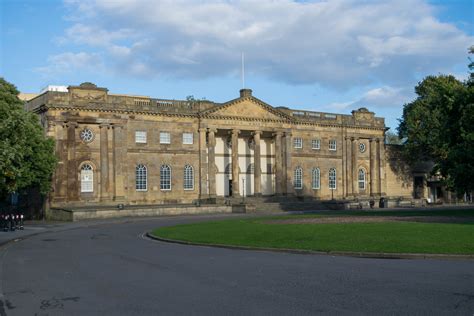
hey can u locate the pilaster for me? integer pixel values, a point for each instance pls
(278, 163)
(212, 161)
(72, 172)
(104, 162)
(203, 174)
(235, 163)
(257, 164)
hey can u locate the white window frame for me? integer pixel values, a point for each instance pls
(316, 144)
(188, 180)
(140, 137)
(141, 178)
(332, 145)
(316, 178)
(361, 179)
(165, 180)
(332, 177)
(87, 178)
(298, 178)
(165, 138)
(188, 138)
(298, 142)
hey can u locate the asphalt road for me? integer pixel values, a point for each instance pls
(111, 269)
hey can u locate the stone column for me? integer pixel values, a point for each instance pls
(257, 190)
(72, 172)
(212, 161)
(235, 163)
(348, 167)
(203, 176)
(118, 183)
(104, 162)
(373, 173)
(381, 161)
(278, 163)
(355, 169)
(288, 186)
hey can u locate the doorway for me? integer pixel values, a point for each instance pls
(229, 181)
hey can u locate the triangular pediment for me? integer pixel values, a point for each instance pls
(250, 108)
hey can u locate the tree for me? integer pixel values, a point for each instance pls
(26, 156)
(439, 126)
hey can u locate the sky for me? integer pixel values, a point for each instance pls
(329, 56)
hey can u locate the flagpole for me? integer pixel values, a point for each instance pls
(243, 71)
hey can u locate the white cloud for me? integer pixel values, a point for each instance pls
(70, 62)
(338, 44)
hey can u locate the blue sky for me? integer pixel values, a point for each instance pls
(332, 56)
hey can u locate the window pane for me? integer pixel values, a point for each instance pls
(298, 178)
(332, 178)
(188, 138)
(362, 179)
(298, 142)
(316, 180)
(140, 137)
(165, 177)
(140, 178)
(316, 144)
(188, 177)
(165, 138)
(332, 144)
(87, 178)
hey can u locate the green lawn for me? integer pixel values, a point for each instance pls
(394, 237)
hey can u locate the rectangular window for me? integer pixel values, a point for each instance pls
(165, 138)
(188, 138)
(298, 142)
(140, 137)
(316, 144)
(332, 144)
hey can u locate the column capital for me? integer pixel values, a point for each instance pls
(107, 125)
(257, 132)
(70, 124)
(212, 130)
(235, 132)
(277, 133)
(288, 134)
(114, 126)
(202, 129)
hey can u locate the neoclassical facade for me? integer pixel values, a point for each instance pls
(139, 150)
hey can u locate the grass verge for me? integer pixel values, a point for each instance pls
(389, 237)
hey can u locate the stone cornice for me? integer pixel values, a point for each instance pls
(293, 122)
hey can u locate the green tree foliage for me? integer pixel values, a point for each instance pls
(26, 155)
(439, 126)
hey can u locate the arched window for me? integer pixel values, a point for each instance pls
(165, 177)
(316, 179)
(361, 179)
(298, 181)
(87, 178)
(250, 169)
(188, 183)
(332, 179)
(228, 169)
(141, 180)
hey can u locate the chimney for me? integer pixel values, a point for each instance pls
(245, 93)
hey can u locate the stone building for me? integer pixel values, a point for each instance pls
(138, 150)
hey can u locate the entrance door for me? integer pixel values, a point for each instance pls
(230, 187)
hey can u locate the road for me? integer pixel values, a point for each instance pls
(109, 268)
